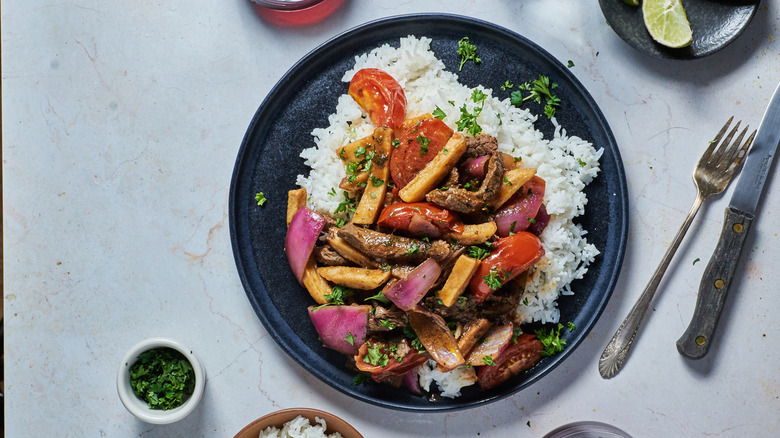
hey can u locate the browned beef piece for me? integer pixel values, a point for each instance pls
(391, 248)
(325, 255)
(482, 144)
(498, 307)
(384, 320)
(464, 201)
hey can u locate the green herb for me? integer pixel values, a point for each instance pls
(360, 379)
(347, 205)
(516, 332)
(467, 52)
(571, 63)
(438, 113)
(531, 220)
(415, 341)
(340, 222)
(396, 142)
(387, 323)
(468, 120)
(479, 252)
(471, 185)
(379, 297)
(332, 191)
(260, 198)
(350, 338)
(488, 360)
(570, 326)
(376, 182)
(539, 90)
(506, 180)
(163, 378)
(551, 341)
(414, 249)
(518, 159)
(581, 163)
(375, 356)
(493, 280)
(463, 301)
(697, 259)
(423, 141)
(507, 85)
(338, 294)
(512, 227)
(360, 151)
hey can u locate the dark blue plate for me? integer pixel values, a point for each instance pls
(268, 162)
(715, 24)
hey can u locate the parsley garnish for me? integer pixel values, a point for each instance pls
(506, 180)
(571, 63)
(570, 326)
(396, 142)
(468, 121)
(350, 338)
(507, 85)
(493, 280)
(415, 341)
(379, 297)
(581, 163)
(463, 301)
(438, 113)
(332, 191)
(414, 249)
(467, 51)
(375, 356)
(423, 141)
(552, 341)
(347, 205)
(163, 378)
(488, 360)
(387, 323)
(376, 182)
(516, 332)
(260, 198)
(360, 379)
(479, 252)
(338, 294)
(697, 259)
(538, 90)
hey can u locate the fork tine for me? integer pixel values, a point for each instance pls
(732, 149)
(718, 155)
(706, 155)
(740, 153)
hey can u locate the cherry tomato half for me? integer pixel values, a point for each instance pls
(399, 216)
(516, 358)
(510, 257)
(416, 147)
(380, 95)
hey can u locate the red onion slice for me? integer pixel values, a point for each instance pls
(437, 338)
(412, 381)
(342, 328)
(408, 292)
(494, 342)
(420, 226)
(540, 221)
(302, 234)
(474, 168)
(516, 214)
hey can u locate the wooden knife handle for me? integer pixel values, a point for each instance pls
(714, 286)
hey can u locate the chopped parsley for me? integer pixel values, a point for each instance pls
(350, 338)
(375, 356)
(438, 113)
(467, 52)
(571, 63)
(468, 120)
(516, 332)
(506, 180)
(423, 141)
(376, 182)
(488, 360)
(462, 301)
(551, 341)
(507, 85)
(347, 205)
(481, 251)
(379, 297)
(337, 296)
(260, 198)
(538, 90)
(581, 163)
(697, 259)
(493, 279)
(332, 191)
(396, 143)
(414, 249)
(387, 323)
(163, 378)
(360, 379)
(415, 341)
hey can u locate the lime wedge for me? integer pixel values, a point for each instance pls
(631, 2)
(667, 23)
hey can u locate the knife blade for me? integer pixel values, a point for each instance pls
(739, 215)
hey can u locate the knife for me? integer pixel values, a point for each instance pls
(716, 281)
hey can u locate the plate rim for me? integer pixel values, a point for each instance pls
(268, 106)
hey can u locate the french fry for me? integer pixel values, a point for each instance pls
(459, 278)
(474, 234)
(355, 278)
(473, 332)
(435, 170)
(347, 153)
(374, 194)
(350, 253)
(411, 121)
(314, 283)
(295, 200)
(513, 180)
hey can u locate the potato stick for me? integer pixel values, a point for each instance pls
(374, 195)
(459, 278)
(350, 253)
(314, 283)
(435, 170)
(295, 200)
(355, 278)
(347, 153)
(513, 180)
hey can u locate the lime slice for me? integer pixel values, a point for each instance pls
(631, 2)
(667, 23)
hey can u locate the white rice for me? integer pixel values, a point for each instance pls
(299, 427)
(566, 163)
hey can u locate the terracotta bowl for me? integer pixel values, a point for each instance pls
(278, 418)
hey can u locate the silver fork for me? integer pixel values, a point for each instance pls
(712, 175)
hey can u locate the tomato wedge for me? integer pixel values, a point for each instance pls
(399, 216)
(389, 364)
(516, 358)
(416, 147)
(380, 95)
(511, 256)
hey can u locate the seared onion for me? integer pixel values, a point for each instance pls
(436, 337)
(408, 292)
(494, 342)
(475, 168)
(342, 328)
(517, 213)
(420, 226)
(302, 234)
(412, 381)
(540, 221)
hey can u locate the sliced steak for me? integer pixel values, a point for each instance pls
(391, 248)
(465, 201)
(325, 255)
(482, 144)
(384, 320)
(498, 307)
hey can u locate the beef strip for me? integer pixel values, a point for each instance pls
(390, 248)
(464, 201)
(498, 307)
(384, 320)
(325, 255)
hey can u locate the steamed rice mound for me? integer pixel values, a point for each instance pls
(566, 163)
(299, 427)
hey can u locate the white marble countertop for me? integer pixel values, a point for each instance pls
(121, 124)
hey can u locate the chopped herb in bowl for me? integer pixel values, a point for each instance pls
(163, 378)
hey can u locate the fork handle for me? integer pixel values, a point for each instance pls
(715, 284)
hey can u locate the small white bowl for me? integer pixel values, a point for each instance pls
(138, 407)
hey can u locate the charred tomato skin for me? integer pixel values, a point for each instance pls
(516, 358)
(380, 95)
(394, 368)
(398, 216)
(416, 147)
(510, 257)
